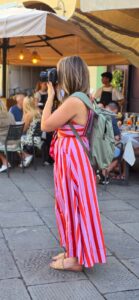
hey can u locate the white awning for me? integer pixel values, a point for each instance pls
(20, 21)
(96, 5)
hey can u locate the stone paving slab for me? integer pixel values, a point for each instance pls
(19, 219)
(50, 191)
(46, 174)
(122, 245)
(15, 205)
(112, 277)
(1, 234)
(16, 195)
(133, 265)
(10, 193)
(116, 205)
(54, 231)
(32, 194)
(13, 289)
(34, 267)
(40, 199)
(26, 182)
(105, 196)
(134, 186)
(30, 238)
(108, 226)
(130, 216)
(45, 178)
(48, 217)
(78, 290)
(122, 192)
(130, 295)
(7, 265)
(134, 202)
(47, 210)
(132, 230)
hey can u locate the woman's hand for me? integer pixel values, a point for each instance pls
(48, 106)
(51, 91)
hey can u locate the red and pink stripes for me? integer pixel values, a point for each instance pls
(77, 211)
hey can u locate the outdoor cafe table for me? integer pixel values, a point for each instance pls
(130, 140)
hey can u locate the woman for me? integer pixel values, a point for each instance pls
(41, 94)
(76, 205)
(31, 116)
(6, 119)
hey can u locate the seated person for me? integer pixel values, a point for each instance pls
(31, 116)
(6, 119)
(17, 110)
(99, 104)
(113, 107)
(107, 93)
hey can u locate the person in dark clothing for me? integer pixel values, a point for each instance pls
(107, 93)
(41, 94)
(114, 108)
(41, 98)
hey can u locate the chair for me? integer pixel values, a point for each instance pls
(119, 159)
(37, 133)
(121, 147)
(13, 142)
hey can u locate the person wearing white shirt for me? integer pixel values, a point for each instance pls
(107, 93)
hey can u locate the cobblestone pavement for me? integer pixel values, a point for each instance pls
(28, 239)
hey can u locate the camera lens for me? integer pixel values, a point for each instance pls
(44, 76)
(52, 76)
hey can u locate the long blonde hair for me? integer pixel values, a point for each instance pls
(3, 107)
(73, 75)
(29, 107)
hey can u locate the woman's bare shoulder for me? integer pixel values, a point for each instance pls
(77, 102)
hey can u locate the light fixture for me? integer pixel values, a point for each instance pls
(35, 57)
(21, 55)
(21, 48)
(60, 6)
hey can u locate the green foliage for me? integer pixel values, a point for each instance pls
(117, 80)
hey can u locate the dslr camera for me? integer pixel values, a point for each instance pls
(49, 75)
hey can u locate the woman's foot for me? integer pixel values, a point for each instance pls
(4, 168)
(27, 161)
(67, 264)
(60, 256)
(104, 179)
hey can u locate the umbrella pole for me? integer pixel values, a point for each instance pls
(4, 66)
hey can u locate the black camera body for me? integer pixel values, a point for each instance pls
(49, 75)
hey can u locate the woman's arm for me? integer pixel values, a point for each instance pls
(67, 111)
(51, 121)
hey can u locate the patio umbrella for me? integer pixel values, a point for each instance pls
(37, 30)
(53, 37)
(111, 24)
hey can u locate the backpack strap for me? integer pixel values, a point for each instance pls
(79, 139)
(84, 98)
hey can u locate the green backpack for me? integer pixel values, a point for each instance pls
(99, 132)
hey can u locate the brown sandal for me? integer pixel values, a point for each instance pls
(61, 265)
(59, 256)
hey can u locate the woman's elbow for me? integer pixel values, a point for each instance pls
(46, 127)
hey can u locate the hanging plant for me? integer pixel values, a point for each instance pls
(117, 80)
